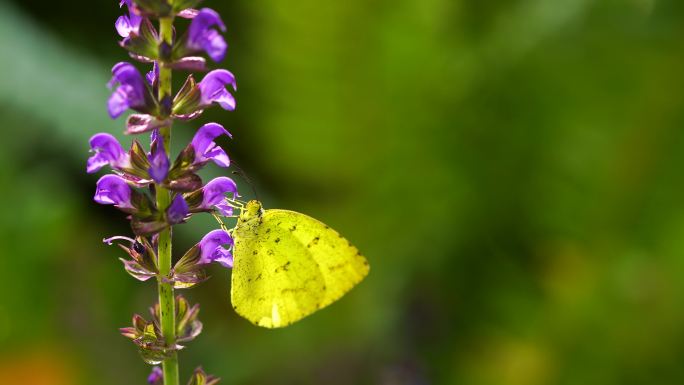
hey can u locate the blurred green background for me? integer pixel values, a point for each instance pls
(512, 170)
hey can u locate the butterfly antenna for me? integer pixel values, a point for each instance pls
(240, 172)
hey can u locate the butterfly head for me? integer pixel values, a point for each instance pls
(252, 210)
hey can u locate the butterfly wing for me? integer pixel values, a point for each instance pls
(292, 263)
(338, 261)
(275, 281)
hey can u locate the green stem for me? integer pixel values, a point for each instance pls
(167, 302)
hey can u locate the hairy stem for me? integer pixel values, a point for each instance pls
(167, 302)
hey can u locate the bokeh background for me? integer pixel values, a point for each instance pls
(512, 169)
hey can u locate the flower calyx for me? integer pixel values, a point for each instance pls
(193, 98)
(143, 263)
(199, 377)
(147, 335)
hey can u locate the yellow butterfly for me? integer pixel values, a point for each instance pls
(288, 265)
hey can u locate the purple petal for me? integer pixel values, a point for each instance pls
(159, 161)
(214, 45)
(224, 209)
(203, 36)
(118, 102)
(127, 25)
(206, 149)
(217, 155)
(113, 190)
(205, 19)
(123, 26)
(153, 75)
(214, 192)
(212, 88)
(107, 151)
(211, 250)
(156, 376)
(130, 93)
(177, 211)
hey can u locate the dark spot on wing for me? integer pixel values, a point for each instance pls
(258, 277)
(270, 252)
(254, 252)
(293, 290)
(277, 240)
(338, 266)
(293, 228)
(268, 230)
(284, 267)
(313, 242)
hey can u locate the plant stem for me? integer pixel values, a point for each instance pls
(167, 302)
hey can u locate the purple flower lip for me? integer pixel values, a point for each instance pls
(203, 36)
(127, 25)
(155, 376)
(113, 190)
(153, 76)
(215, 191)
(213, 89)
(108, 151)
(206, 149)
(159, 161)
(131, 90)
(178, 210)
(211, 249)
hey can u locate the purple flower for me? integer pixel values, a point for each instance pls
(214, 192)
(159, 161)
(131, 90)
(206, 149)
(203, 36)
(113, 190)
(153, 75)
(211, 249)
(107, 151)
(127, 25)
(177, 211)
(213, 89)
(156, 376)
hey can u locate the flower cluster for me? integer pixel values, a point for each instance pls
(155, 190)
